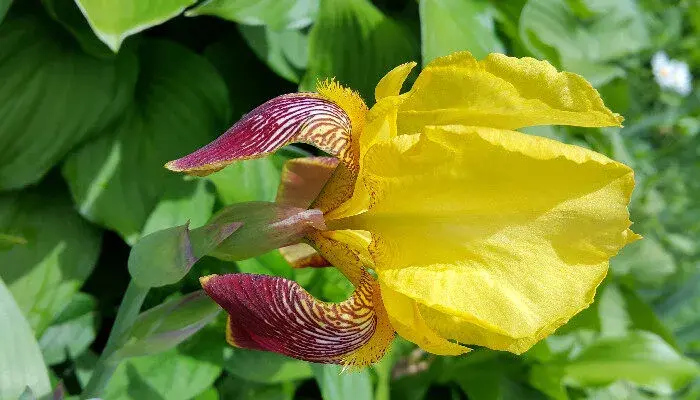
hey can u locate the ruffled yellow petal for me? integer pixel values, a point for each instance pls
(507, 232)
(406, 318)
(391, 83)
(500, 92)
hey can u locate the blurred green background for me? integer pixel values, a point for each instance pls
(96, 95)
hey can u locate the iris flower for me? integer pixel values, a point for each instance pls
(454, 228)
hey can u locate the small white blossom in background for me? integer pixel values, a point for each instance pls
(671, 74)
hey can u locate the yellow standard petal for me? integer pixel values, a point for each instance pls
(500, 237)
(500, 92)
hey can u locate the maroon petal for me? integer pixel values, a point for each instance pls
(275, 314)
(296, 117)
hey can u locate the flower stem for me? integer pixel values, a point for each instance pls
(105, 367)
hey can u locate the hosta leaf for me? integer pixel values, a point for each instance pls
(355, 385)
(61, 251)
(115, 20)
(118, 179)
(248, 180)
(278, 14)
(73, 330)
(20, 358)
(4, 6)
(265, 367)
(286, 51)
(453, 25)
(355, 43)
(52, 97)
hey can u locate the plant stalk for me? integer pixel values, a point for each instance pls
(126, 316)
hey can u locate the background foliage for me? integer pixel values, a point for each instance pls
(96, 95)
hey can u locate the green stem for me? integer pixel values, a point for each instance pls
(105, 367)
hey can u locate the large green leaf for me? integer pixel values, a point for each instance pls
(639, 357)
(285, 51)
(645, 262)
(453, 25)
(73, 330)
(118, 179)
(278, 14)
(52, 97)
(233, 388)
(336, 385)
(115, 20)
(355, 43)
(610, 31)
(265, 367)
(61, 251)
(20, 358)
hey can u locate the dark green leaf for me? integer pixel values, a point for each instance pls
(118, 179)
(4, 6)
(355, 43)
(453, 25)
(233, 388)
(20, 358)
(60, 252)
(67, 13)
(53, 97)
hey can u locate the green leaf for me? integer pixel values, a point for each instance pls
(115, 20)
(249, 180)
(265, 367)
(20, 358)
(338, 385)
(169, 375)
(233, 388)
(73, 330)
(67, 13)
(4, 6)
(271, 263)
(355, 43)
(645, 261)
(180, 205)
(453, 25)
(277, 14)
(118, 179)
(286, 51)
(60, 253)
(53, 97)
(640, 357)
(614, 30)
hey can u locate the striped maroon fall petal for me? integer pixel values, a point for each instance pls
(296, 117)
(275, 314)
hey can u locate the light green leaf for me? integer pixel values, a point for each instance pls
(169, 375)
(118, 179)
(60, 253)
(265, 367)
(175, 209)
(613, 30)
(20, 358)
(453, 25)
(249, 180)
(286, 51)
(271, 263)
(355, 43)
(646, 261)
(640, 357)
(115, 20)
(277, 14)
(52, 97)
(73, 330)
(338, 385)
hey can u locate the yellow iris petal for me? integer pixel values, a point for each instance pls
(391, 83)
(500, 92)
(506, 232)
